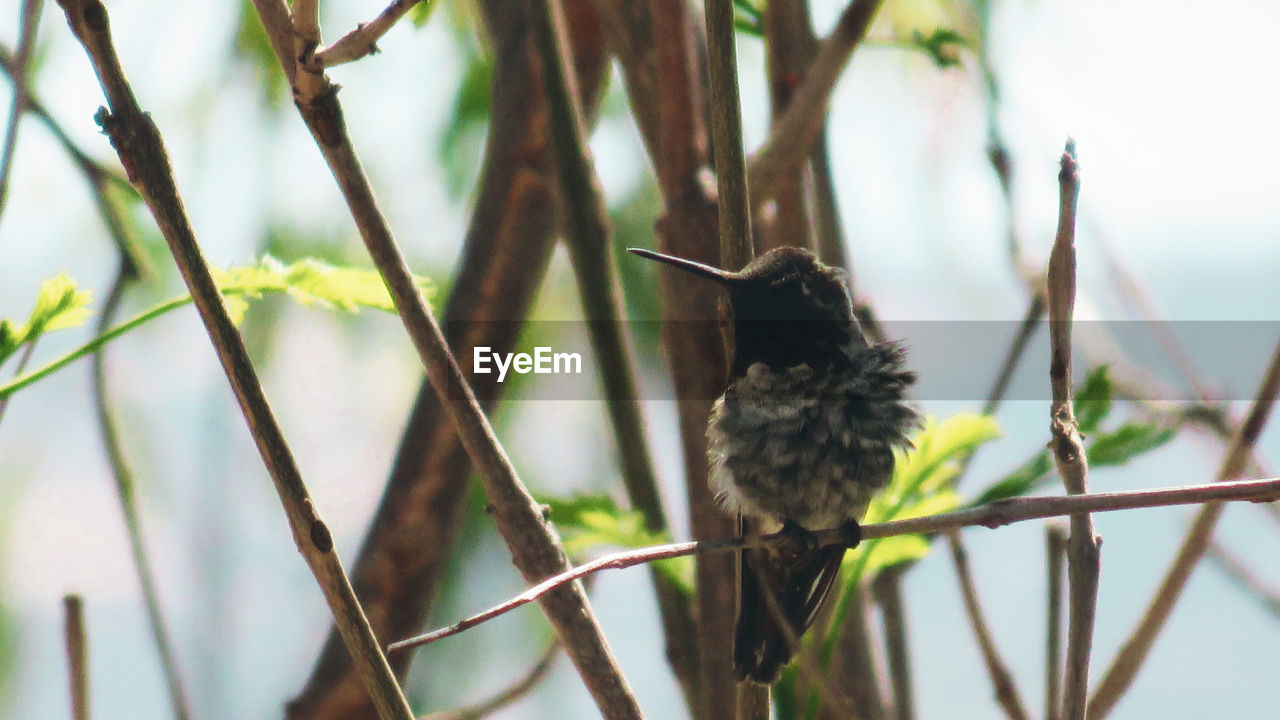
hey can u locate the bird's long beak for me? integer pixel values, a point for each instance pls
(723, 277)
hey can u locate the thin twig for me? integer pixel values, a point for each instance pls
(507, 696)
(992, 515)
(794, 133)
(30, 13)
(124, 486)
(1005, 689)
(364, 39)
(1055, 550)
(534, 543)
(1133, 653)
(1267, 595)
(137, 141)
(1083, 565)
(77, 655)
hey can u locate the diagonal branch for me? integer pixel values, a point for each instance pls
(534, 543)
(137, 140)
(794, 133)
(30, 14)
(363, 40)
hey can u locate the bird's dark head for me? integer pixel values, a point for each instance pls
(788, 308)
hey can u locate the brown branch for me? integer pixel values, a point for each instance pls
(590, 251)
(887, 587)
(77, 655)
(1246, 579)
(137, 140)
(726, 137)
(1055, 550)
(363, 40)
(403, 559)
(789, 49)
(534, 543)
(794, 133)
(30, 21)
(993, 515)
(124, 487)
(1067, 446)
(854, 666)
(1005, 689)
(1132, 654)
(507, 696)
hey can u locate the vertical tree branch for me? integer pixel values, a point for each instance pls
(137, 141)
(1055, 551)
(1133, 653)
(77, 655)
(888, 593)
(588, 236)
(736, 248)
(1068, 450)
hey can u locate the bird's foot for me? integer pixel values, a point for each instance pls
(800, 542)
(852, 534)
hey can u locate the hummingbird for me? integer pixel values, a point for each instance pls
(802, 438)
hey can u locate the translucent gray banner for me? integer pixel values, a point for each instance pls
(954, 360)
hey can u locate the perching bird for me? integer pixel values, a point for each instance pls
(802, 437)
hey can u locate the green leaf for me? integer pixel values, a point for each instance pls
(1119, 446)
(1021, 481)
(1093, 399)
(891, 551)
(942, 46)
(309, 281)
(591, 522)
(60, 304)
(419, 14)
(934, 462)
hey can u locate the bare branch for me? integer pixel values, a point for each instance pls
(1260, 590)
(992, 515)
(30, 13)
(1083, 565)
(887, 587)
(726, 137)
(507, 696)
(137, 140)
(363, 40)
(124, 486)
(1055, 550)
(1129, 660)
(794, 133)
(77, 655)
(1002, 680)
(534, 544)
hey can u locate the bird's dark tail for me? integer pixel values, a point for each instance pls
(760, 648)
